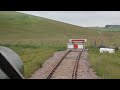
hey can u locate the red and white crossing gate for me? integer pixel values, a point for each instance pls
(76, 44)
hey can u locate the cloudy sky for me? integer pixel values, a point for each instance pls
(81, 18)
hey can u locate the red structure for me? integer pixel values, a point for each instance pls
(76, 43)
(75, 46)
(78, 40)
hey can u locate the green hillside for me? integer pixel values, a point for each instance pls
(15, 26)
(35, 39)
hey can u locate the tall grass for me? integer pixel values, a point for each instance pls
(106, 65)
(34, 56)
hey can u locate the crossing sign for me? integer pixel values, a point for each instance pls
(76, 43)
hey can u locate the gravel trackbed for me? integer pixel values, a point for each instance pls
(64, 71)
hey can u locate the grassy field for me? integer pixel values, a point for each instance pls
(35, 39)
(106, 65)
(106, 29)
(33, 56)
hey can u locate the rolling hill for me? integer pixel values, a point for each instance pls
(35, 39)
(19, 27)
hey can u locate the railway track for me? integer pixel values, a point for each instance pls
(74, 75)
(75, 69)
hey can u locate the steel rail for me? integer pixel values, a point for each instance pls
(57, 65)
(74, 75)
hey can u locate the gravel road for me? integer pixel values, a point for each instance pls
(64, 71)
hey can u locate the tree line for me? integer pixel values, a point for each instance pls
(112, 26)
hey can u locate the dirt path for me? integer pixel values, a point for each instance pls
(64, 71)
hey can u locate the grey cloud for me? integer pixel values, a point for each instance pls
(81, 18)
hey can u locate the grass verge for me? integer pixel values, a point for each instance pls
(106, 65)
(33, 56)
